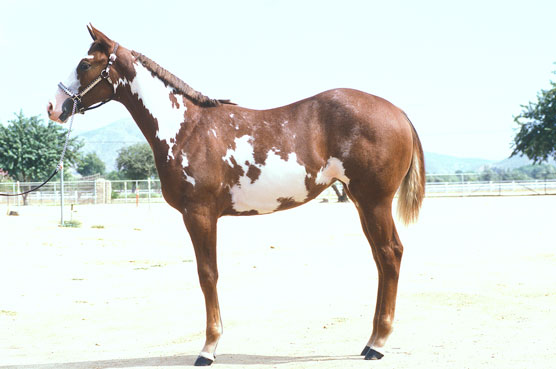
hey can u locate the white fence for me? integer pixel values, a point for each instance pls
(102, 191)
(75, 192)
(498, 188)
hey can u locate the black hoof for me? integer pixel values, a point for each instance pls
(373, 354)
(365, 350)
(203, 361)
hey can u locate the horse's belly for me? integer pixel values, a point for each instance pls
(271, 186)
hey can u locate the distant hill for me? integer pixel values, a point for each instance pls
(108, 140)
(517, 162)
(446, 164)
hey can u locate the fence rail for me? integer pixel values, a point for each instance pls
(102, 191)
(492, 188)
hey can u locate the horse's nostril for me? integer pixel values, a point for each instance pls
(49, 108)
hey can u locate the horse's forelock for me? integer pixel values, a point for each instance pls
(97, 46)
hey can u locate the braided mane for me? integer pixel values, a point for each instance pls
(179, 86)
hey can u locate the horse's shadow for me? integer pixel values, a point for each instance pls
(180, 361)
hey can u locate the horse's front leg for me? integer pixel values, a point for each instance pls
(201, 224)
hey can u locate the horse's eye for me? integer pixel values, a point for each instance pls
(83, 66)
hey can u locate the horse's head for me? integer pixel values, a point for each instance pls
(93, 81)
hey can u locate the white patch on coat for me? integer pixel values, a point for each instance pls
(278, 179)
(60, 96)
(188, 178)
(73, 82)
(232, 115)
(185, 164)
(155, 98)
(120, 82)
(242, 152)
(213, 132)
(334, 169)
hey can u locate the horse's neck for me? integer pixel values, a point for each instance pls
(156, 110)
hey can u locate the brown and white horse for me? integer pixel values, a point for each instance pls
(215, 158)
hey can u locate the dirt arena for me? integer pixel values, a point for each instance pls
(297, 288)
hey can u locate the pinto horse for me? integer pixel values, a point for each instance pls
(215, 158)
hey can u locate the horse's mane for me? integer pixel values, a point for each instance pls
(179, 86)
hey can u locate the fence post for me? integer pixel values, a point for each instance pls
(62, 195)
(149, 186)
(18, 191)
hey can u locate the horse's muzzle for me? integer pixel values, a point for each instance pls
(67, 108)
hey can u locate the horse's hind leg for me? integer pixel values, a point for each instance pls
(380, 230)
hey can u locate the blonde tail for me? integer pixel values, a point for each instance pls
(412, 189)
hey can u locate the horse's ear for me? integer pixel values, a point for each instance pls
(90, 29)
(100, 37)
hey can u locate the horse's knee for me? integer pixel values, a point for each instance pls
(390, 256)
(208, 276)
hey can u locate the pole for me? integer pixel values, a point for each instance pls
(149, 183)
(62, 195)
(18, 191)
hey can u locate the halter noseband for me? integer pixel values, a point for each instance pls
(104, 75)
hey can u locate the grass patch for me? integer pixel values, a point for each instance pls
(97, 226)
(71, 224)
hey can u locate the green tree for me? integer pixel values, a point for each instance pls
(537, 133)
(136, 161)
(30, 149)
(489, 174)
(90, 164)
(115, 176)
(544, 171)
(3, 176)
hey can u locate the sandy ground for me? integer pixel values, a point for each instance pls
(297, 288)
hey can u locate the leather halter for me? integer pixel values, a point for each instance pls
(104, 75)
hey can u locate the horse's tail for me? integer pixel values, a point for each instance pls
(412, 189)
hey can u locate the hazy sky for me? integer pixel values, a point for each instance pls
(460, 70)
